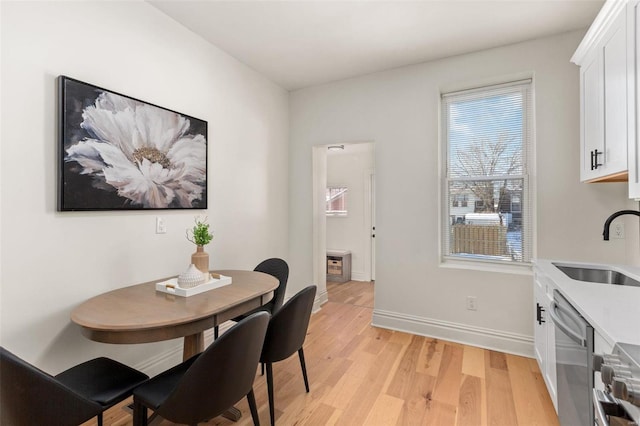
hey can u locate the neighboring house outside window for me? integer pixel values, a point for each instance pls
(487, 140)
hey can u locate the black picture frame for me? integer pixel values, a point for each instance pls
(120, 153)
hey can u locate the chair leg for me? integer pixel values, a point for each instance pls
(272, 411)
(253, 407)
(215, 332)
(262, 368)
(139, 414)
(100, 419)
(304, 369)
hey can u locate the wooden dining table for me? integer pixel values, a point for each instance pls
(140, 314)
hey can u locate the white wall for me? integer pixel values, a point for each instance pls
(399, 109)
(53, 261)
(350, 168)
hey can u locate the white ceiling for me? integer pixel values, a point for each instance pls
(303, 43)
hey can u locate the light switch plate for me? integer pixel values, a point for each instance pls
(161, 227)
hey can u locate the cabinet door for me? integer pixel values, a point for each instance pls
(551, 378)
(544, 334)
(633, 55)
(539, 329)
(592, 136)
(614, 58)
(604, 94)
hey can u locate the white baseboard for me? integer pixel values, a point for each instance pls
(513, 343)
(321, 299)
(358, 276)
(161, 362)
(173, 356)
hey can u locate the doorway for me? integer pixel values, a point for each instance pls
(344, 210)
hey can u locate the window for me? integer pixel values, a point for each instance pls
(459, 200)
(487, 138)
(336, 198)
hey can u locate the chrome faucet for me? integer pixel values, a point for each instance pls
(607, 223)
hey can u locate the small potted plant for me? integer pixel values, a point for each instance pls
(200, 236)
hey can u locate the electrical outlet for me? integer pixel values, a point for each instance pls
(472, 303)
(161, 227)
(618, 230)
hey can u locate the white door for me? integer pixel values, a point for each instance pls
(372, 187)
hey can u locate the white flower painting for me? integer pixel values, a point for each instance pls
(122, 153)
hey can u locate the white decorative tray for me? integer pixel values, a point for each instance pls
(171, 286)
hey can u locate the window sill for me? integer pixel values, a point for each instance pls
(487, 266)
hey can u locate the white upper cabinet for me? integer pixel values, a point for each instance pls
(591, 114)
(633, 72)
(614, 62)
(602, 57)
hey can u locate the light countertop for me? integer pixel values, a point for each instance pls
(612, 310)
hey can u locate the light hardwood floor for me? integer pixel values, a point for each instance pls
(361, 375)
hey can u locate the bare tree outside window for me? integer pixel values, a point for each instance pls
(489, 158)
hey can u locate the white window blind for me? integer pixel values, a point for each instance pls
(487, 139)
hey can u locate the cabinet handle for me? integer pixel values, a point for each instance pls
(539, 311)
(594, 159)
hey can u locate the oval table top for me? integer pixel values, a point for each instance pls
(140, 314)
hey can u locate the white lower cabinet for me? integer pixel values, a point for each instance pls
(544, 334)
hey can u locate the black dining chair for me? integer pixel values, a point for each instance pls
(277, 268)
(29, 396)
(207, 384)
(285, 335)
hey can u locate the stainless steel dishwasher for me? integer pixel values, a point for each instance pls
(574, 363)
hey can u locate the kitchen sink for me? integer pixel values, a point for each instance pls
(593, 275)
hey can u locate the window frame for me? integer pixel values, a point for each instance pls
(337, 213)
(527, 198)
(460, 200)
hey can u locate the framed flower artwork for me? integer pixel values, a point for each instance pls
(121, 153)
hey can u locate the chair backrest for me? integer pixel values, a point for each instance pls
(288, 326)
(221, 376)
(279, 269)
(29, 396)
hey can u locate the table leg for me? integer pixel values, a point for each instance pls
(193, 345)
